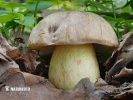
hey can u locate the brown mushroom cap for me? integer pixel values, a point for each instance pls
(72, 28)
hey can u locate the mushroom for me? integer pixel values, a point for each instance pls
(72, 36)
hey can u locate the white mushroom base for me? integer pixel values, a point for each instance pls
(70, 63)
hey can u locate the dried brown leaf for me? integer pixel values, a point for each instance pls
(27, 61)
(121, 58)
(42, 89)
(5, 65)
(4, 45)
(13, 54)
(100, 82)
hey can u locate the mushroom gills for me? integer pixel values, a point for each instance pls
(70, 63)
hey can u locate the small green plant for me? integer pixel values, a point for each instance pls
(117, 12)
(20, 17)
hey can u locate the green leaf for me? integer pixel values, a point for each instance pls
(112, 23)
(11, 25)
(129, 21)
(3, 4)
(128, 3)
(110, 14)
(5, 18)
(10, 5)
(41, 5)
(18, 15)
(124, 15)
(120, 3)
(44, 5)
(15, 15)
(4, 11)
(114, 19)
(14, 4)
(79, 2)
(96, 4)
(106, 2)
(11, 15)
(44, 0)
(131, 6)
(28, 21)
(30, 6)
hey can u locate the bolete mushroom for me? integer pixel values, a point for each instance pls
(71, 35)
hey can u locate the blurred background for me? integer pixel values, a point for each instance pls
(18, 17)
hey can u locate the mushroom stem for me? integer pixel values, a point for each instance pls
(70, 63)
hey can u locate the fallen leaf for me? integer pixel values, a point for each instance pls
(4, 45)
(42, 89)
(121, 58)
(6, 63)
(27, 61)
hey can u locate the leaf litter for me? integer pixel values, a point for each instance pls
(23, 70)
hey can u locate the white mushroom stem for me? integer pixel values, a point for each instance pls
(70, 63)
